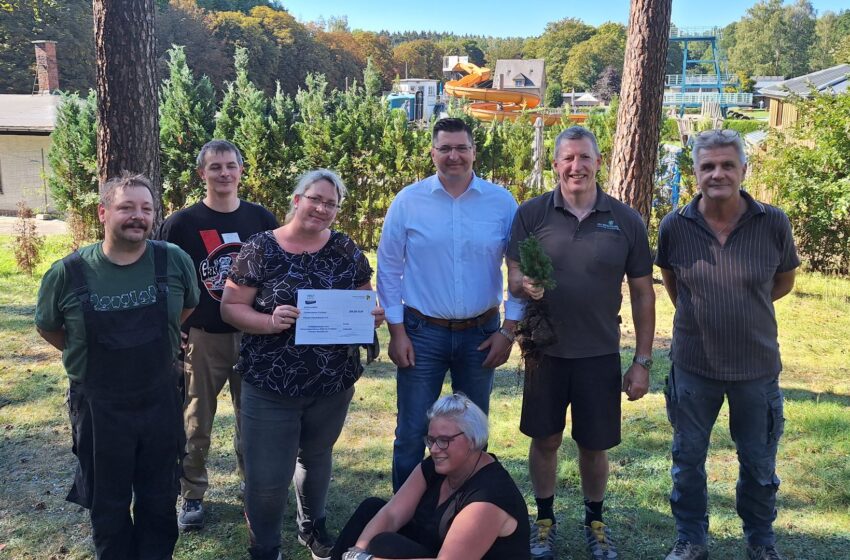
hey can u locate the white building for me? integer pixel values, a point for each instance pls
(450, 61)
(26, 122)
(423, 89)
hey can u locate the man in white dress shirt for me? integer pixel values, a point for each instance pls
(440, 281)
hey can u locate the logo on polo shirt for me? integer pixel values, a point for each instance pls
(610, 226)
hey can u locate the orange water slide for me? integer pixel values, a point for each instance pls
(496, 104)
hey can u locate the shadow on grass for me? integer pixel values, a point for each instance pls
(818, 296)
(380, 368)
(32, 389)
(16, 323)
(641, 531)
(803, 395)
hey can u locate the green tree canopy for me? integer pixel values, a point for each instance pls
(774, 40)
(503, 48)
(419, 59)
(182, 22)
(588, 59)
(376, 47)
(832, 31)
(555, 44)
(68, 23)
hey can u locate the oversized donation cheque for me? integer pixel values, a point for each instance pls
(335, 317)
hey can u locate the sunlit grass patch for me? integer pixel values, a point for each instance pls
(36, 464)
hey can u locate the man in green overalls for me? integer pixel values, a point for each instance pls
(114, 309)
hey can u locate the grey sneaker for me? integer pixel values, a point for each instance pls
(599, 543)
(542, 543)
(317, 540)
(767, 552)
(683, 550)
(191, 516)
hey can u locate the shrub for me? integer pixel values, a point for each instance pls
(73, 162)
(743, 127)
(808, 169)
(28, 243)
(669, 129)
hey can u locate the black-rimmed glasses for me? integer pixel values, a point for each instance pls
(442, 442)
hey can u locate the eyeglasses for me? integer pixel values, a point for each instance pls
(327, 205)
(442, 442)
(725, 133)
(446, 150)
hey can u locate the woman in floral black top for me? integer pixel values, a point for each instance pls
(294, 398)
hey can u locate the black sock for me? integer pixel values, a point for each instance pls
(592, 512)
(545, 507)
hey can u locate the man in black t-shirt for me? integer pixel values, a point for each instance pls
(212, 232)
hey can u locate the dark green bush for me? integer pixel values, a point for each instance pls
(743, 127)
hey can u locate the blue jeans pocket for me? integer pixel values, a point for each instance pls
(412, 323)
(491, 326)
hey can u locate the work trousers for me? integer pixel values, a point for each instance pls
(207, 366)
(127, 453)
(756, 424)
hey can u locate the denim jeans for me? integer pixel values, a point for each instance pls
(283, 439)
(437, 350)
(755, 423)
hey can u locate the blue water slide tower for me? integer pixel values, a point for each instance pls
(702, 79)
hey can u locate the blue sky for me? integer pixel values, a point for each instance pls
(524, 18)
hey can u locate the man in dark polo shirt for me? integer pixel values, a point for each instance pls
(725, 258)
(593, 241)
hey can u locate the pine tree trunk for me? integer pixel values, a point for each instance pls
(634, 156)
(127, 104)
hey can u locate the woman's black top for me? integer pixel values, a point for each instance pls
(273, 362)
(491, 484)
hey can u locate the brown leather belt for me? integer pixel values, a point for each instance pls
(457, 324)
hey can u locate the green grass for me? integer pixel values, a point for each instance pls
(814, 500)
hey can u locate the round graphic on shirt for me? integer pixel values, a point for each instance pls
(214, 269)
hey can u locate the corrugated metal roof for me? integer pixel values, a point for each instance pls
(834, 78)
(28, 113)
(767, 81)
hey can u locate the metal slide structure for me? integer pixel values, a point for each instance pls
(490, 104)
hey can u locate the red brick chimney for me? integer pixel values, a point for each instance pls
(46, 67)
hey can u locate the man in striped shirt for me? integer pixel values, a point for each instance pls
(725, 258)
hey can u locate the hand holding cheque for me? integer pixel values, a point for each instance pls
(332, 316)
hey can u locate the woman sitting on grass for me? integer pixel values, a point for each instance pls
(458, 503)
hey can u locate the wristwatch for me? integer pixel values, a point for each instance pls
(643, 362)
(507, 334)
